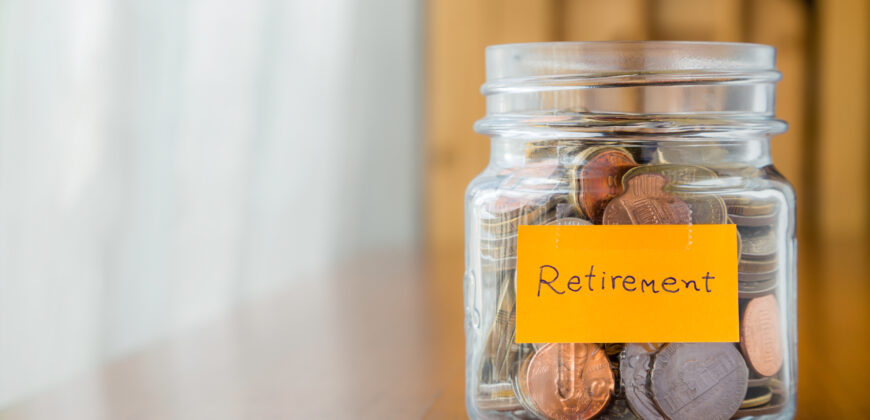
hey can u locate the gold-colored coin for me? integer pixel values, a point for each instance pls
(756, 397)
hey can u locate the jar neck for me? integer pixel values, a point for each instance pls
(507, 152)
(638, 91)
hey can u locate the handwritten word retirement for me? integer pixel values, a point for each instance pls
(551, 282)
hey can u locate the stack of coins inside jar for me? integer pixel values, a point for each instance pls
(573, 182)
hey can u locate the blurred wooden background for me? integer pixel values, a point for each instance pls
(824, 53)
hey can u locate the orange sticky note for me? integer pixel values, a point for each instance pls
(627, 283)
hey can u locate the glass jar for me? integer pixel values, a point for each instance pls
(630, 133)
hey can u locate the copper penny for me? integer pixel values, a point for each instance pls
(699, 380)
(599, 180)
(646, 203)
(634, 370)
(568, 381)
(759, 335)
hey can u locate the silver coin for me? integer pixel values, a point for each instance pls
(569, 221)
(757, 277)
(634, 370)
(759, 266)
(699, 380)
(758, 243)
(753, 221)
(755, 290)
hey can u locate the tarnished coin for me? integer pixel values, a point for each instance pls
(644, 202)
(634, 371)
(688, 183)
(760, 335)
(758, 243)
(699, 380)
(567, 381)
(756, 396)
(599, 179)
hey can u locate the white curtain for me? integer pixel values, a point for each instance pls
(162, 160)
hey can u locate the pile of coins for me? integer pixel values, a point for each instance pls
(568, 184)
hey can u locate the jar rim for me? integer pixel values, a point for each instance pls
(543, 59)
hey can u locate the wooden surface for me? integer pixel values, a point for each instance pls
(382, 339)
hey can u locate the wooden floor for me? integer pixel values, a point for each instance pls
(382, 339)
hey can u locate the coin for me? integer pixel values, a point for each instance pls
(739, 240)
(502, 335)
(698, 380)
(755, 290)
(757, 277)
(706, 209)
(613, 349)
(756, 397)
(570, 221)
(754, 221)
(750, 207)
(502, 214)
(497, 397)
(599, 179)
(618, 410)
(755, 380)
(567, 381)
(759, 266)
(686, 182)
(758, 243)
(644, 202)
(776, 404)
(634, 371)
(684, 176)
(760, 335)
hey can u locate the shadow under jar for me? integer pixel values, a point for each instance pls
(631, 133)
